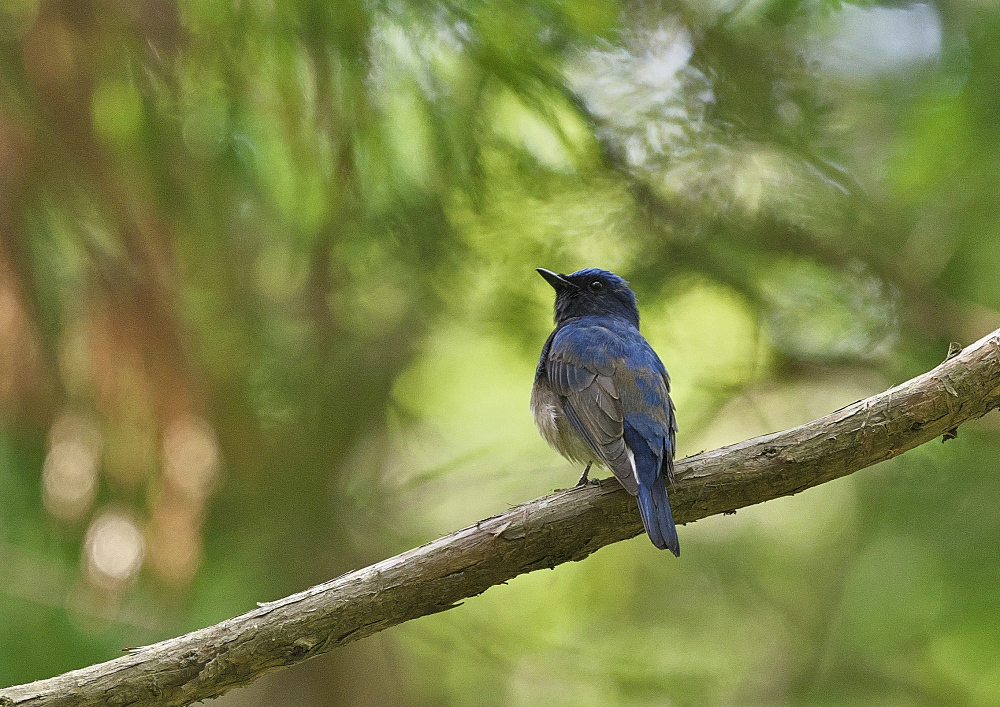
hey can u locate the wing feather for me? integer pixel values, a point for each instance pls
(594, 409)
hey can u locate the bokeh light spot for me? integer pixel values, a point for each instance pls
(190, 456)
(113, 550)
(69, 474)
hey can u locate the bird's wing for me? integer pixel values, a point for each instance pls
(644, 388)
(593, 405)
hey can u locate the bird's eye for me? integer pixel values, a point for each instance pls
(596, 286)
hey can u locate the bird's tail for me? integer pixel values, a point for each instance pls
(656, 516)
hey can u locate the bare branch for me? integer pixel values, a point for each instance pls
(566, 525)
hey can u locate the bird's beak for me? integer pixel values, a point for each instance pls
(557, 281)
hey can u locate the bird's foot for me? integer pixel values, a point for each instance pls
(583, 477)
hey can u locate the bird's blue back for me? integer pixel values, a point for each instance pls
(611, 346)
(600, 387)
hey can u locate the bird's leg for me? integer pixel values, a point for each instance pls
(583, 478)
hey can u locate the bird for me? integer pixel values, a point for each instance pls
(602, 395)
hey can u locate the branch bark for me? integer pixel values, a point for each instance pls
(566, 525)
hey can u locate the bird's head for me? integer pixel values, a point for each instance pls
(592, 292)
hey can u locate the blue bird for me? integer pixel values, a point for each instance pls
(601, 394)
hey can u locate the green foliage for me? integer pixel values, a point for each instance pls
(267, 298)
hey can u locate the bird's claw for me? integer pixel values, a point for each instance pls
(583, 478)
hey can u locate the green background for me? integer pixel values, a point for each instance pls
(268, 313)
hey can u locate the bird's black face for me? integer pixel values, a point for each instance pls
(591, 292)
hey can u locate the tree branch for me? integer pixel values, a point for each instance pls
(566, 525)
